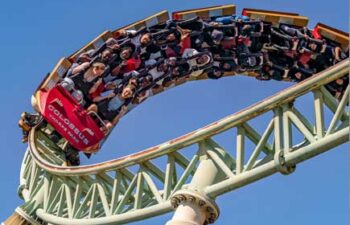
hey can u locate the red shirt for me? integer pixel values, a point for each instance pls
(185, 43)
(131, 64)
(228, 43)
(98, 91)
(305, 57)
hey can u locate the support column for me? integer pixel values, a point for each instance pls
(25, 214)
(192, 206)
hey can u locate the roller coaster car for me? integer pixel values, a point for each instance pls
(158, 18)
(205, 13)
(275, 17)
(332, 35)
(83, 130)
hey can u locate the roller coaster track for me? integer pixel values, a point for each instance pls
(153, 181)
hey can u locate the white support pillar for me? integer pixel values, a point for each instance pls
(193, 207)
(188, 213)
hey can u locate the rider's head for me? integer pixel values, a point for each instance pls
(98, 68)
(203, 59)
(145, 39)
(128, 91)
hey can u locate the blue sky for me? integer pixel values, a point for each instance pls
(36, 34)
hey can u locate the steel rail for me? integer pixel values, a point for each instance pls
(213, 191)
(270, 168)
(219, 126)
(112, 192)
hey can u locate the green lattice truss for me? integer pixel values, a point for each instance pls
(145, 184)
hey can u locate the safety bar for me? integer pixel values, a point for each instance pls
(100, 120)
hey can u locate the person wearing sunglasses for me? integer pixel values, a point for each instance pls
(90, 80)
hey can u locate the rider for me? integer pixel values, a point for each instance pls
(26, 122)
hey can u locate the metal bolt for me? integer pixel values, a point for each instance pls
(191, 199)
(211, 220)
(182, 198)
(175, 202)
(201, 203)
(210, 209)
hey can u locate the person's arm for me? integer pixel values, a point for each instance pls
(134, 33)
(324, 48)
(113, 43)
(161, 33)
(331, 88)
(316, 41)
(188, 21)
(184, 32)
(337, 52)
(280, 35)
(305, 50)
(122, 112)
(95, 86)
(80, 68)
(101, 98)
(305, 71)
(118, 68)
(292, 31)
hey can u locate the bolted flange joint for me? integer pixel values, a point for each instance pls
(282, 166)
(209, 206)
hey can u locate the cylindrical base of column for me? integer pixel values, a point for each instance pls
(193, 208)
(188, 213)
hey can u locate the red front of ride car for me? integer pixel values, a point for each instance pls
(70, 119)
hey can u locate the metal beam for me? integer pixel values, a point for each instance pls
(126, 196)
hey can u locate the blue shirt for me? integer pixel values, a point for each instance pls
(228, 19)
(224, 20)
(114, 103)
